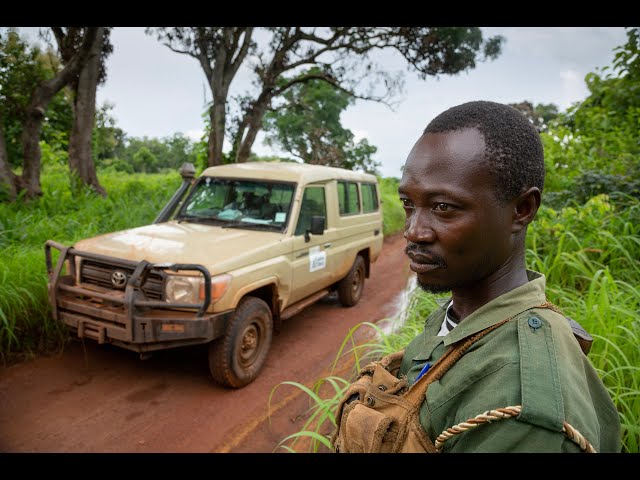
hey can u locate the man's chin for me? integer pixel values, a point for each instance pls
(427, 287)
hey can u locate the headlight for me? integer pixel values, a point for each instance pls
(187, 289)
(182, 289)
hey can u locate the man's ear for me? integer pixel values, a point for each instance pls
(525, 208)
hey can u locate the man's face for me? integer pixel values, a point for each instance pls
(458, 234)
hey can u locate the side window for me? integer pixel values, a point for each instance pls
(313, 203)
(348, 198)
(369, 198)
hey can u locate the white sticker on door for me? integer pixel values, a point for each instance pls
(317, 259)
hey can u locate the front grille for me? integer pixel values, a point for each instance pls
(99, 273)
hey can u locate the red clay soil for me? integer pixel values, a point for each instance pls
(97, 398)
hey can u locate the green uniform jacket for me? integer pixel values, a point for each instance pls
(533, 360)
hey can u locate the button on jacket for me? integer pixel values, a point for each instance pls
(533, 360)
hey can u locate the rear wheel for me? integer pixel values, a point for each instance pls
(350, 287)
(236, 358)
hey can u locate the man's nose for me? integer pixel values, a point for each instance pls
(418, 227)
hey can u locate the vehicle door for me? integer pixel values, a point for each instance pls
(310, 252)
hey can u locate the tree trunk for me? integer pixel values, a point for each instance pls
(211, 142)
(81, 161)
(217, 130)
(254, 126)
(31, 129)
(216, 135)
(236, 141)
(32, 125)
(227, 54)
(8, 180)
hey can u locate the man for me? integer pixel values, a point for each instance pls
(471, 185)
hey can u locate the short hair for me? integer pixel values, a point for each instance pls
(513, 148)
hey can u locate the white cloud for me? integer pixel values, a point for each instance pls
(573, 88)
(359, 134)
(195, 135)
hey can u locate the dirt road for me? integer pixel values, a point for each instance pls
(97, 398)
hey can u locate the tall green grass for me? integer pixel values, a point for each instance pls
(590, 256)
(392, 211)
(26, 327)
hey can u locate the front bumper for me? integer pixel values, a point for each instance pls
(129, 316)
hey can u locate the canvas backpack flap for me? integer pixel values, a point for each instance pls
(582, 336)
(378, 422)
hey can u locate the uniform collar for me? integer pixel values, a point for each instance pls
(506, 305)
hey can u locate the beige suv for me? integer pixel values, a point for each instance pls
(234, 253)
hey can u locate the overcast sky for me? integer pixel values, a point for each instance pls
(157, 92)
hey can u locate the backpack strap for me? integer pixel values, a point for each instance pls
(416, 392)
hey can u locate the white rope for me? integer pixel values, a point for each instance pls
(500, 414)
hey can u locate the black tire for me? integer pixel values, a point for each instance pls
(350, 287)
(236, 358)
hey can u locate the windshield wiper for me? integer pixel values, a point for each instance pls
(252, 226)
(197, 219)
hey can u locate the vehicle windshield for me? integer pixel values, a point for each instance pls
(254, 204)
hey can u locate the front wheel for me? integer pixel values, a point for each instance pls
(236, 358)
(350, 287)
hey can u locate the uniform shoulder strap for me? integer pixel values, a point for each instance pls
(581, 335)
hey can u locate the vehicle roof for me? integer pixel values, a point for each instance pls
(286, 171)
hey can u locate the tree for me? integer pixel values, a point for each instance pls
(358, 157)
(20, 71)
(595, 145)
(179, 150)
(220, 52)
(540, 115)
(108, 139)
(308, 127)
(145, 161)
(34, 115)
(84, 86)
(22, 68)
(341, 53)
(158, 153)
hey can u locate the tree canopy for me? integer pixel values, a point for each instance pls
(594, 146)
(343, 57)
(308, 127)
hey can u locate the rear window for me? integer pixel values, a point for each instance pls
(348, 198)
(369, 198)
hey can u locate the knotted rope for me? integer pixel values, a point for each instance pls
(500, 414)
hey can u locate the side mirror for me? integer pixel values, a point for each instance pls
(317, 226)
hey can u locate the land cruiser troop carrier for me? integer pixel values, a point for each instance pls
(235, 252)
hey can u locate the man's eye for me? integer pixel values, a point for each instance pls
(442, 207)
(406, 203)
